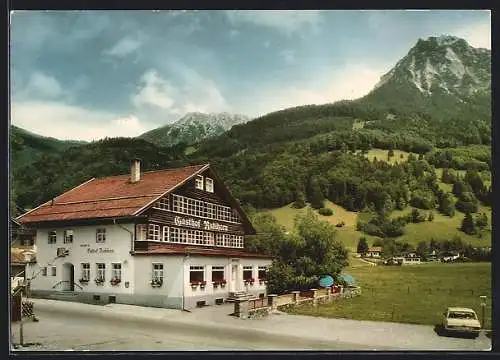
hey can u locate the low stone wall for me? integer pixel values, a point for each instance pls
(252, 308)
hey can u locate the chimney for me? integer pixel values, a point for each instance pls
(135, 170)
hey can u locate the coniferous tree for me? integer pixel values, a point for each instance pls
(468, 225)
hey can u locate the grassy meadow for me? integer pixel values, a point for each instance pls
(443, 227)
(416, 294)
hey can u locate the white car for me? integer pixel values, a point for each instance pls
(461, 320)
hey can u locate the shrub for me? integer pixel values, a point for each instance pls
(325, 211)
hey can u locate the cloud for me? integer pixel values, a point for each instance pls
(285, 21)
(157, 96)
(233, 33)
(124, 47)
(63, 121)
(41, 86)
(289, 56)
(267, 43)
(350, 82)
(476, 35)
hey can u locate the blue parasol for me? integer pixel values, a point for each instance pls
(348, 279)
(326, 281)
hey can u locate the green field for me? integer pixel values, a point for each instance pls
(347, 234)
(442, 228)
(416, 294)
(399, 155)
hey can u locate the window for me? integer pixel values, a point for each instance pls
(68, 236)
(153, 232)
(54, 271)
(101, 271)
(86, 271)
(196, 274)
(44, 271)
(27, 241)
(52, 237)
(210, 211)
(141, 232)
(199, 182)
(165, 233)
(247, 273)
(262, 272)
(217, 273)
(162, 204)
(157, 272)
(209, 185)
(100, 235)
(116, 272)
(219, 240)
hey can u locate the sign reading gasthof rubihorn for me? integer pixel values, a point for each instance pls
(200, 224)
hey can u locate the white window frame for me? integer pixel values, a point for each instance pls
(199, 182)
(141, 232)
(162, 204)
(52, 237)
(209, 185)
(85, 268)
(68, 236)
(44, 271)
(101, 271)
(219, 268)
(165, 237)
(116, 271)
(157, 272)
(100, 235)
(259, 269)
(154, 232)
(197, 268)
(53, 271)
(247, 268)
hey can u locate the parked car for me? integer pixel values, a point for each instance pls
(461, 320)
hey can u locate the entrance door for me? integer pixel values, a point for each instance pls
(234, 278)
(68, 277)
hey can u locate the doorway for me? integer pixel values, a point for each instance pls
(234, 278)
(68, 277)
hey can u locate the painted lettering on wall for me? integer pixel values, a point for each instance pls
(100, 251)
(199, 224)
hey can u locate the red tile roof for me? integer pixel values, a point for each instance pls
(113, 196)
(199, 250)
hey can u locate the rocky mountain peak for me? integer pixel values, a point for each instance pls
(444, 64)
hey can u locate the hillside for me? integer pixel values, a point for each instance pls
(26, 146)
(192, 128)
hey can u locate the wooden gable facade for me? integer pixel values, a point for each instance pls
(201, 212)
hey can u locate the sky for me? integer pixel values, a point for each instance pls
(86, 75)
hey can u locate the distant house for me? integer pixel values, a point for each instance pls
(22, 251)
(407, 259)
(374, 252)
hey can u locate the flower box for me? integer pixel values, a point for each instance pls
(156, 283)
(203, 284)
(99, 281)
(84, 281)
(223, 283)
(262, 281)
(115, 281)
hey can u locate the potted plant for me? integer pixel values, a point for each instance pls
(223, 283)
(83, 281)
(156, 282)
(216, 283)
(202, 284)
(251, 281)
(115, 281)
(99, 281)
(194, 284)
(262, 281)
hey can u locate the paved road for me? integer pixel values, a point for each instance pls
(65, 325)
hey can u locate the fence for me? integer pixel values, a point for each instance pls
(245, 308)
